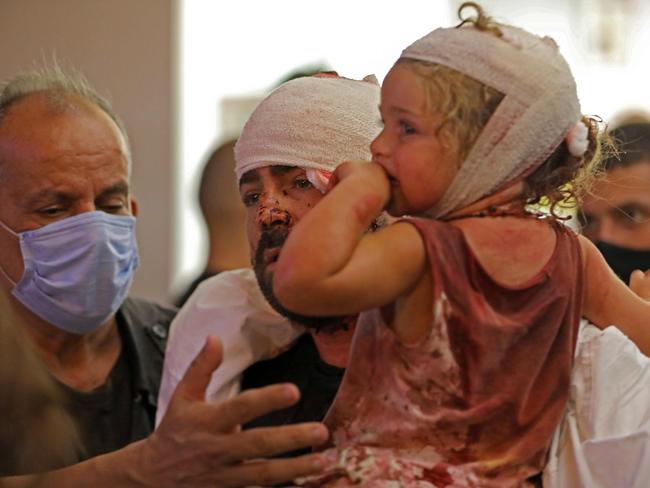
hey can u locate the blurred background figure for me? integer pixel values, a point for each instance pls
(35, 432)
(616, 213)
(224, 217)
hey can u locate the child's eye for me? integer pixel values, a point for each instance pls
(406, 128)
(250, 199)
(302, 183)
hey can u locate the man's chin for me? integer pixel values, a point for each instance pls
(274, 239)
(328, 324)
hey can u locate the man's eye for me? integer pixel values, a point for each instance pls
(303, 183)
(52, 211)
(250, 199)
(632, 215)
(116, 208)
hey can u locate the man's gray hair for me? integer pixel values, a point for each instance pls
(58, 84)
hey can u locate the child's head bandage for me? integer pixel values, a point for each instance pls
(311, 122)
(539, 107)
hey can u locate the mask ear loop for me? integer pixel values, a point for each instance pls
(2, 270)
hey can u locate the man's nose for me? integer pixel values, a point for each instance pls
(607, 231)
(272, 211)
(269, 216)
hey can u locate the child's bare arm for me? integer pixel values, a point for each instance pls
(331, 265)
(608, 301)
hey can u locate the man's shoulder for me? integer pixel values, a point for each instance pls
(140, 316)
(230, 287)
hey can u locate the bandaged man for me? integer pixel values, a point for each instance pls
(284, 156)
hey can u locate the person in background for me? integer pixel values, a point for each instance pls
(288, 148)
(223, 215)
(615, 214)
(605, 433)
(67, 257)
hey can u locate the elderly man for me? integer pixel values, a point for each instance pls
(67, 257)
(291, 143)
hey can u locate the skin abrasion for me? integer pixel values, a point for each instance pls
(367, 208)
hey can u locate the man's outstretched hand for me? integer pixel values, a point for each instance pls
(200, 444)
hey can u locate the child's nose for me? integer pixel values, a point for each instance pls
(379, 147)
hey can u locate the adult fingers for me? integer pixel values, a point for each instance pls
(270, 441)
(195, 381)
(636, 276)
(253, 403)
(271, 472)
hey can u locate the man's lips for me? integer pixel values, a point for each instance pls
(271, 255)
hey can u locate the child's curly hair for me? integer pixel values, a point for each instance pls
(467, 104)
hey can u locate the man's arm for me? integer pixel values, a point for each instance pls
(199, 444)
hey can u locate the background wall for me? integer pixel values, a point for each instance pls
(126, 50)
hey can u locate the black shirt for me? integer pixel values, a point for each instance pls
(103, 416)
(123, 410)
(301, 364)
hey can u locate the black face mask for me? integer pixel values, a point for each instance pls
(624, 260)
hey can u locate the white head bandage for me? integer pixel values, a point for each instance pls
(311, 122)
(540, 104)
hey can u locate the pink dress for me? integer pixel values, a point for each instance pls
(477, 401)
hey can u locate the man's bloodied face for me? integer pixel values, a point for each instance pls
(276, 198)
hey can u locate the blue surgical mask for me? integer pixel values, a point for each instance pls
(77, 270)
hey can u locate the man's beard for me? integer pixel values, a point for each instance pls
(273, 238)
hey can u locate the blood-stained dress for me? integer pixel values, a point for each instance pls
(476, 402)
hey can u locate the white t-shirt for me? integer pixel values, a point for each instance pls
(603, 440)
(230, 306)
